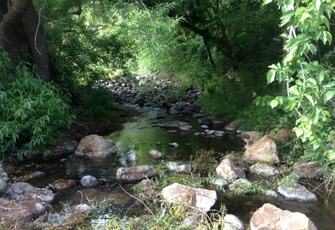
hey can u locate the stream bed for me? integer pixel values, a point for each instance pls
(133, 143)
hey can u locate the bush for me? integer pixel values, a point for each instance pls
(31, 110)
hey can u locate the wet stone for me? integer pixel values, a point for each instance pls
(297, 193)
(89, 181)
(135, 173)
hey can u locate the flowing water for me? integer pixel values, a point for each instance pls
(133, 143)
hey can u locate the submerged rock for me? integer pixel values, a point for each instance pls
(199, 198)
(154, 154)
(135, 173)
(298, 193)
(94, 146)
(270, 217)
(89, 181)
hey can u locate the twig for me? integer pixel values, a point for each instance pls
(137, 200)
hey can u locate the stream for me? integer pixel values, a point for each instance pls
(133, 143)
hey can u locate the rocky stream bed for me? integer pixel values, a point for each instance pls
(62, 191)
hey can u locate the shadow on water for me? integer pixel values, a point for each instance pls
(137, 138)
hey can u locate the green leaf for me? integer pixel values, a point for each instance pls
(329, 95)
(274, 103)
(271, 75)
(298, 131)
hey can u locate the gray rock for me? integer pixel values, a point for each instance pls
(220, 182)
(35, 175)
(135, 173)
(3, 185)
(271, 193)
(23, 189)
(89, 181)
(310, 170)
(297, 193)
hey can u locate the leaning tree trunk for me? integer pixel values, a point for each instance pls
(17, 16)
(35, 35)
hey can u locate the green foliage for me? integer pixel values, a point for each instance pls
(260, 116)
(95, 104)
(32, 111)
(309, 81)
(289, 180)
(85, 41)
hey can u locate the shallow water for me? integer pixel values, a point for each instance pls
(138, 138)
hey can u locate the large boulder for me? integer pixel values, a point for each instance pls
(199, 198)
(135, 173)
(263, 150)
(269, 217)
(229, 171)
(94, 146)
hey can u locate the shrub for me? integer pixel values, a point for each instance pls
(31, 110)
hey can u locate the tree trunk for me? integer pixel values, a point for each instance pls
(18, 19)
(35, 35)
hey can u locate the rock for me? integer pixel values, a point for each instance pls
(250, 138)
(263, 150)
(310, 170)
(22, 189)
(3, 185)
(219, 133)
(94, 146)
(243, 128)
(135, 173)
(20, 210)
(128, 158)
(283, 135)
(4, 176)
(89, 181)
(177, 167)
(271, 193)
(81, 208)
(220, 182)
(232, 223)
(201, 199)
(233, 125)
(174, 145)
(35, 175)
(229, 171)
(206, 120)
(154, 154)
(264, 170)
(297, 193)
(269, 217)
(62, 185)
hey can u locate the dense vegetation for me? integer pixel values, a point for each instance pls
(224, 48)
